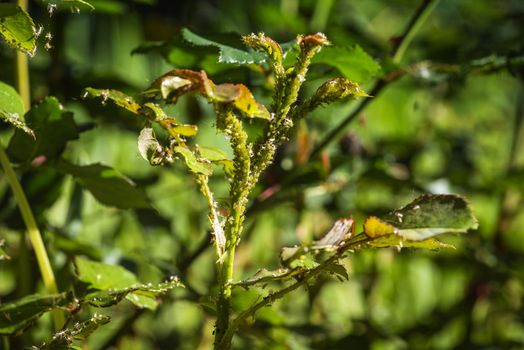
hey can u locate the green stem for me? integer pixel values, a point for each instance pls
(22, 70)
(34, 234)
(22, 81)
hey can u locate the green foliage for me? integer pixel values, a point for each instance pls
(106, 184)
(17, 28)
(227, 54)
(114, 283)
(12, 108)
(19, 315)
(352, 62)
(53, 128)
(281, 141)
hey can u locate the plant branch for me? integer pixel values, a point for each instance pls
(272, 297)
(399, 49)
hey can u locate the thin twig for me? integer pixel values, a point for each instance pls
(415, 23)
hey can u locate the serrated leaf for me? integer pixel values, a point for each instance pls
(352, 62)
(12, 108)
(425, 217)
(20, 314)
(117, 97)
(17, 28)
(227, 53)
(192, 162)
(106, 184)
(53, 127)
(80, 331)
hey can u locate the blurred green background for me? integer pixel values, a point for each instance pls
(451, 123)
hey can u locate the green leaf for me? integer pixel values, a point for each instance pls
(212, 154)
(196, 166)
(116, 283)
(12, 108)
(352, 62)
(186, 130)
(53, 127)
(22, 313)
(17, 28)
(425, 217)
(106, 184)
(227, 53)
(103, 276)
(80, 331)
(117, 97)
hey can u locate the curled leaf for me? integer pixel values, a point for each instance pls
(178, 82)
(149, 147)
(343, 230)
(237, 95)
